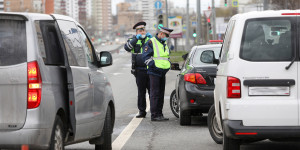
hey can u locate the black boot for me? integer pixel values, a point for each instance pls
(141, 115)
(159, 118)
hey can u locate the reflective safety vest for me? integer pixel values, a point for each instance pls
(139, 45)
(160, 57)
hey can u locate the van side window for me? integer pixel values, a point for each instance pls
(75, 52)
(227, 41)
(268, 39)
(49, 46)
(87, 46)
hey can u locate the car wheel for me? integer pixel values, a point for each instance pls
(214, 130)
(106, 133)
(184, 116)
(174, 104)
(230, 144)
(58, 136)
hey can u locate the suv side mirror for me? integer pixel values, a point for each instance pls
(175, 66)
(209, 57)
(105, 59)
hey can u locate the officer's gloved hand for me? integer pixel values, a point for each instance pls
(139, 36)
(148, 35)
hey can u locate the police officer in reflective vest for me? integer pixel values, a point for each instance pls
(156, 57)
(139, 69)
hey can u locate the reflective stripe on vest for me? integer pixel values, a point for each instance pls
(160, 57)
(139, 42)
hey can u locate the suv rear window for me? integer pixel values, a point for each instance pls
(267, 40)
(13, 44)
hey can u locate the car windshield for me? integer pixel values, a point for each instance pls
(267, 40)
(199, 59)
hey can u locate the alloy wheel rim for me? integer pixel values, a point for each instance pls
(175, 105)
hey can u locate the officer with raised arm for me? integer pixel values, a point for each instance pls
(139, 69)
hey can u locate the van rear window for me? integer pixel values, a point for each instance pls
(13, 45)
(267, 40)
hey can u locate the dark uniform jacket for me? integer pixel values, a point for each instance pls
(135, 49)
(148, 59)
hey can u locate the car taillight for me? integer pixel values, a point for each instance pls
(34, 85)
(233, 87)
(195, 78)
(215, 41)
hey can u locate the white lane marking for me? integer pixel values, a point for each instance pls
(121, 140)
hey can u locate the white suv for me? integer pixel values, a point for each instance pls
(256, 93)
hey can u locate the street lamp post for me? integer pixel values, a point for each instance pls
(214, 19)
(187, 42)
(198, 29)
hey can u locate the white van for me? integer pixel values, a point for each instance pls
(256, 88)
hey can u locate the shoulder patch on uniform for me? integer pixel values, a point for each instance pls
(146, 48)
(150, 42)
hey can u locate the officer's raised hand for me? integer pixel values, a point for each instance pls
(138, 36)
(148, 35)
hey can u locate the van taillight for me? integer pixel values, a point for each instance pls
(195, 78)
(233, 87)
(34, 85)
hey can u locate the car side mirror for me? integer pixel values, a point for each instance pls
(175, 66)
(209, 57)
(185, 56)
(105, 59)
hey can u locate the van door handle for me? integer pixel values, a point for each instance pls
(90, 78)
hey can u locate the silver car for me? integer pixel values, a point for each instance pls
(53, 91)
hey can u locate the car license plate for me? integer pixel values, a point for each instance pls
(268, 91)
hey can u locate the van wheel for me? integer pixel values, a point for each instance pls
(174, 104)
(214, 130)
(184, 117)
(106, 133)
(58, 135)
(230, 144)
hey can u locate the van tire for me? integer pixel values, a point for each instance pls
(58, 135)
(230, 144)
(106, 133)
(185, 117)
(213, 128)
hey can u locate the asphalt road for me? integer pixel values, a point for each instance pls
(167, 135)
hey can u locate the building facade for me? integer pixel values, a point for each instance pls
(106, 16)
(19, 5)
(1, 5)
(96, 18)
(149, 16)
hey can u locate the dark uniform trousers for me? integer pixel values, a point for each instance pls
(157, 89)
(142, 82)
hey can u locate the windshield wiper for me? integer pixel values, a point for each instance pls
(288, 67)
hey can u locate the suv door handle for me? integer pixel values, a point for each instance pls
(91, 81)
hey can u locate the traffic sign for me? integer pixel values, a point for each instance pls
(194, 23)
(158, 4)
(207, 13)
(235, 3)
